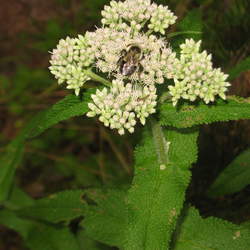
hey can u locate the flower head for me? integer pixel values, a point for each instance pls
(131, 51)
(120, 106)
(195, 77)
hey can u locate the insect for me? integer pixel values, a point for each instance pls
(130, 59)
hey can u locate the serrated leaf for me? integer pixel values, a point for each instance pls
(239, 68)
(233, 178)
(62, 206)
(9, 162)
(210, 233)
(106, 222)
(188, 115)
(70, 106)
(157, 194)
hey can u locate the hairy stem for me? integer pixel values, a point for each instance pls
(97, 78)
(173, 34)
(161, 145)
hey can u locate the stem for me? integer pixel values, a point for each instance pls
(97, 78)
(183, 33)
(161, 145)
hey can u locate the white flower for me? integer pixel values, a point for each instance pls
(152, 68)
(195, 76)
(68, 61)
(136, 14)
(122, 105)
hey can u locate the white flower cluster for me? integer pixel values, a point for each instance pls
(135, 61)
(120, 106)
(109, 43)
(69, 60)
(138, 13)
(195, 76)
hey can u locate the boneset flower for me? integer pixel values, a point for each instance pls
(132, 53)
(120, 106)
(195, 77)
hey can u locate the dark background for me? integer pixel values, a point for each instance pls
(81, 152)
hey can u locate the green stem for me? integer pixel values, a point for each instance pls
(183, 33)
(161, 145)
(97, 78)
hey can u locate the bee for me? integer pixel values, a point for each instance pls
(129, 61)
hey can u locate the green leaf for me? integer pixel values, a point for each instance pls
(70, 106)
(239, 68)
(62, 206)
(45, 237)
(187, 115)
(191, 24)
(12, 221)
(158, 190)
(209, 234)
(85, 242)
(106, 222)
(233, 178)
(38, 236)
(9, 162)
(18, 199)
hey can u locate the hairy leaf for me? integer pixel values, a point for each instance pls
(62, 206)
(188, 115)
(239, 68)
(209, 234)
(157, 194)
(69, 107)
(234, 177)
(106, 222)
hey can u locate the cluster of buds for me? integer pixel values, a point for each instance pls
(69, 60)
(195, 78)
(135, 60)
(137, 13)
(120, 106)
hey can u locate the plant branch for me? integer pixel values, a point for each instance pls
(97, 78)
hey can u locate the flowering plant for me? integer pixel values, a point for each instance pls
(134, 69)
(133, 53)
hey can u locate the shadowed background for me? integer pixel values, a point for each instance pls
(81, 152)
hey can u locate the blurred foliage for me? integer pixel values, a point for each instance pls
(81, 153)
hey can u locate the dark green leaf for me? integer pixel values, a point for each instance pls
(69, 107)
(10, 160)
(106, 222)
(62, 206)
(45, 237)
(188, 115)
(234, 177)
(239, 68)
(210, 234)
(12, 221)
(191, 22)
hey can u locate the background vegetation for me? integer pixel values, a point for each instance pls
(81, 152)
